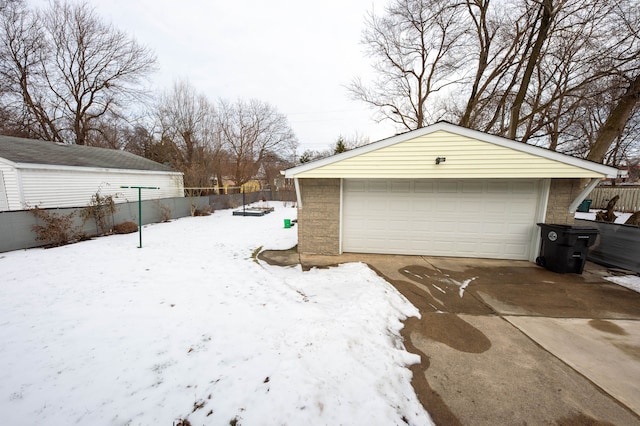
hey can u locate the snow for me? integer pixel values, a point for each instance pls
(621, 217)
(192, 326)
(632, 282)
(464, 285)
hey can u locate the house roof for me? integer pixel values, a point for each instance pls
(30, 151)
(467, 153)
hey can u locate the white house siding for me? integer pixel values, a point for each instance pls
(73, 186)
(4, 204)
(11, 186)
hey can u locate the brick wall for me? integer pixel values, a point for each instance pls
(319, 217)
(561, 194)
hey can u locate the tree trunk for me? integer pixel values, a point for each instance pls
(607, 215)
(616, 121)
(545, 24)
(634, 219)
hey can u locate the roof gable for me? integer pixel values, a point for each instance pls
(29, 151)
(468, 154)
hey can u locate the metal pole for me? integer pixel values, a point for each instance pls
(140, 188)
(140, 216)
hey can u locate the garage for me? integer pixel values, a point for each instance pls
(468, 218)
(442, 190)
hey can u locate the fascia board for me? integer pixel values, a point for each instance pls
(54, 167)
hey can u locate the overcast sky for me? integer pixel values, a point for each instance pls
(296, 55)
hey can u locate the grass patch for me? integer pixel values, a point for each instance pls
(255, 254)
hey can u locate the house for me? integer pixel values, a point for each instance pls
(47, 175)
(442, 190)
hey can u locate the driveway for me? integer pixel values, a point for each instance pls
(507, 342)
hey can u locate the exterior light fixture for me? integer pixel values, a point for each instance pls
(440, 160)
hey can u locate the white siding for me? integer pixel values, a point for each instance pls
(4, 204)
(73, 187)
(11, 185)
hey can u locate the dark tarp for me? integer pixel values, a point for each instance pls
(617, 245)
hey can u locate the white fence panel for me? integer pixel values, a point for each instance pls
(629, 201)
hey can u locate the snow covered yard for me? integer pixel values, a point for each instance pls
(192, 327)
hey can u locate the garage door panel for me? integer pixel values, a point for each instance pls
(472, 187)
(421, 205)
(523, 187)
(472, 218)
(446, 187)
(421, 187)
(448, 206)
(469, 207)
(357, 185)
(496, 187)
(493, 249)
(378, 186)
(495, 208)
(401, 186)
(470, 228)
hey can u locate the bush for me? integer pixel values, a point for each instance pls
(165, 211)
(100, 209)
(125, 228)
(57, 230)
(205, 211)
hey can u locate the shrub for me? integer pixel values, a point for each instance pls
(100, 209)
(57, 230)
(125, 228)
(165, 211)
(204, 211)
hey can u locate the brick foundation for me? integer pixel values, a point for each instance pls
(319, 217)
(561, 194)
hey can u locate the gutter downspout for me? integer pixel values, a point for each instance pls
(580, 198)
(298, 195)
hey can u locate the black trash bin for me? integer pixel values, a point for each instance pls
(564, 247)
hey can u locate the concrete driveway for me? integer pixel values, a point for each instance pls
(507, 342)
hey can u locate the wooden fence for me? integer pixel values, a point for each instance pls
(629, 201)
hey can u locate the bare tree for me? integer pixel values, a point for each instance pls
(67, 69)
(187, 127)
(415, 50)
(250, 132)
(626, 58)
(613, 127)
(23, 48)
(548, 72)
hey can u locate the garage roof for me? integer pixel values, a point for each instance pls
(467, 154)
(30, 151)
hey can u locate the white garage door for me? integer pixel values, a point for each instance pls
(465, 218)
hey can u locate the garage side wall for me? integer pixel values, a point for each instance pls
(561, 193)
(319, 217)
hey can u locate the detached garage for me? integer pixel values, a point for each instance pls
(442, 190)
(50, 175)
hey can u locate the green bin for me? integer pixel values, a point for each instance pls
(287, 223)
(585, 206)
